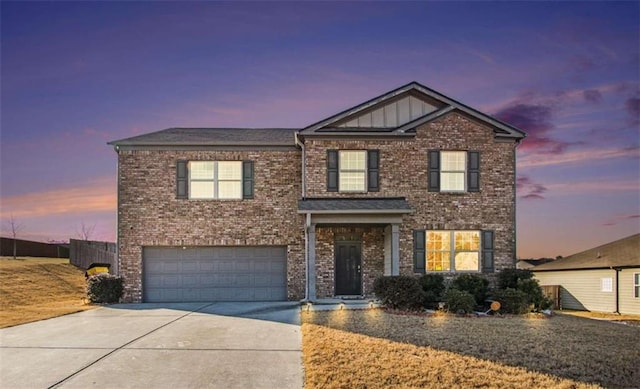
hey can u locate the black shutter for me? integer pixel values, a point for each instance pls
(473, 171)
(487, 251)
(332, 170)
(418, 251)
(247, 179)
(182, 180)
(373, 170)
(434, 171)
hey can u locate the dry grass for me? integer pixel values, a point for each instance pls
(33, 289)
(346, 349)
(633, 320)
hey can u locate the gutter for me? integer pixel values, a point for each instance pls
(514, 254)
(617, 270)
(308, 220)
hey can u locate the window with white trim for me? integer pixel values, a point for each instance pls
(453, 171)
(606, 284)
(452, 251)
(215, 180)
(352, 171)
(636, 285)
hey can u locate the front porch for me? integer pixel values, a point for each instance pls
(350, 243)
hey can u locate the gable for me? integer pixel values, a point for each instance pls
(400, 111)
(391, 114)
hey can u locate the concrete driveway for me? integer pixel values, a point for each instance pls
(217, 345)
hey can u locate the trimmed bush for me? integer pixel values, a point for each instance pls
(476, 285)
(513, 301)
(532, 289)
(433, 287)
(459, 301)
(508, 278)
(399, 292)
(104, 288)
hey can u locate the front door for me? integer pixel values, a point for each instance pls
(348, 272)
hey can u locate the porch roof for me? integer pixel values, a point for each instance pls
(327, 205)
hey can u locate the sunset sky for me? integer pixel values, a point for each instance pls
(77, 75)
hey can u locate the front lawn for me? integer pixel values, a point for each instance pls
(375, 349)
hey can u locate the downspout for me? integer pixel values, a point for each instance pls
(307, 223)
(117, 262)
(617, 270)
(515, 206)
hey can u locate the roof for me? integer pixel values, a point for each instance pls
(621, 253)
(213, 137)
(447, 105)
(354, 205)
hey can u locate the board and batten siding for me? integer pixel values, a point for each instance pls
(628, 303)
(582, 289)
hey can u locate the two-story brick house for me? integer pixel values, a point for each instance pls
(406, 183)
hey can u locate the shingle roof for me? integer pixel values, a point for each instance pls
(213, 137)
(621, 253)
(369, 205)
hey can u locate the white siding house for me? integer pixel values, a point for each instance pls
(603, 279)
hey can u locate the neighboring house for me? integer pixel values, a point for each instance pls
(406, 183)
(530, 263)
(603, 279)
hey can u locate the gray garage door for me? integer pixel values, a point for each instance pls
(174, 274)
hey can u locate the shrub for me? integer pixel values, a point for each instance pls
(508, 278)
(532, 289)
(459, 301)
(399, 292)
(104, 288)
(513, 301)
(476, 285)
(433, 288)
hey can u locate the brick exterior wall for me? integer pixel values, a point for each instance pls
(403, 173)
(150, 215)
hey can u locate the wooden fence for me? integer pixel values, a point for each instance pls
(553, 292)
(83, 253)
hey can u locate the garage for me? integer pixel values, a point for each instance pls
(242, 273)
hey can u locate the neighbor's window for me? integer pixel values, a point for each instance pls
(453, 251)
(453, 171)
(215, 179)
(606, 284)
(353, 171)
(636, 285)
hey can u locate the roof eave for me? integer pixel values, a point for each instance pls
(356, 211)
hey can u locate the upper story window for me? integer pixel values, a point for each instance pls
(454, 171)
(215, 179)
(220, 180)
(353, 171)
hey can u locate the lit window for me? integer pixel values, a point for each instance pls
(606, 284)
(453, 251)
(215, 179)
(453, 171)
(353, 171)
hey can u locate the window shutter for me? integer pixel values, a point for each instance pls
(473, 171)
(418, 251)
(373, 170)
(247, 179)
(487, 251)
(182, 180)
(332, 170)
(434, 171)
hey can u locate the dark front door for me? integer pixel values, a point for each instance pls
(348, 272)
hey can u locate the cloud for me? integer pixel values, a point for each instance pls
(531, 190)
(632, 106)
(616, 219)
(535, 120)
(96, 196)
(580, 156)
(592, 95)
(593, 186)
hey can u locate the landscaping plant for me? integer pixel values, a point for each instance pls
(433, 287)
(459, 301)
(399, 292)
(104, 288)
(474, 284)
